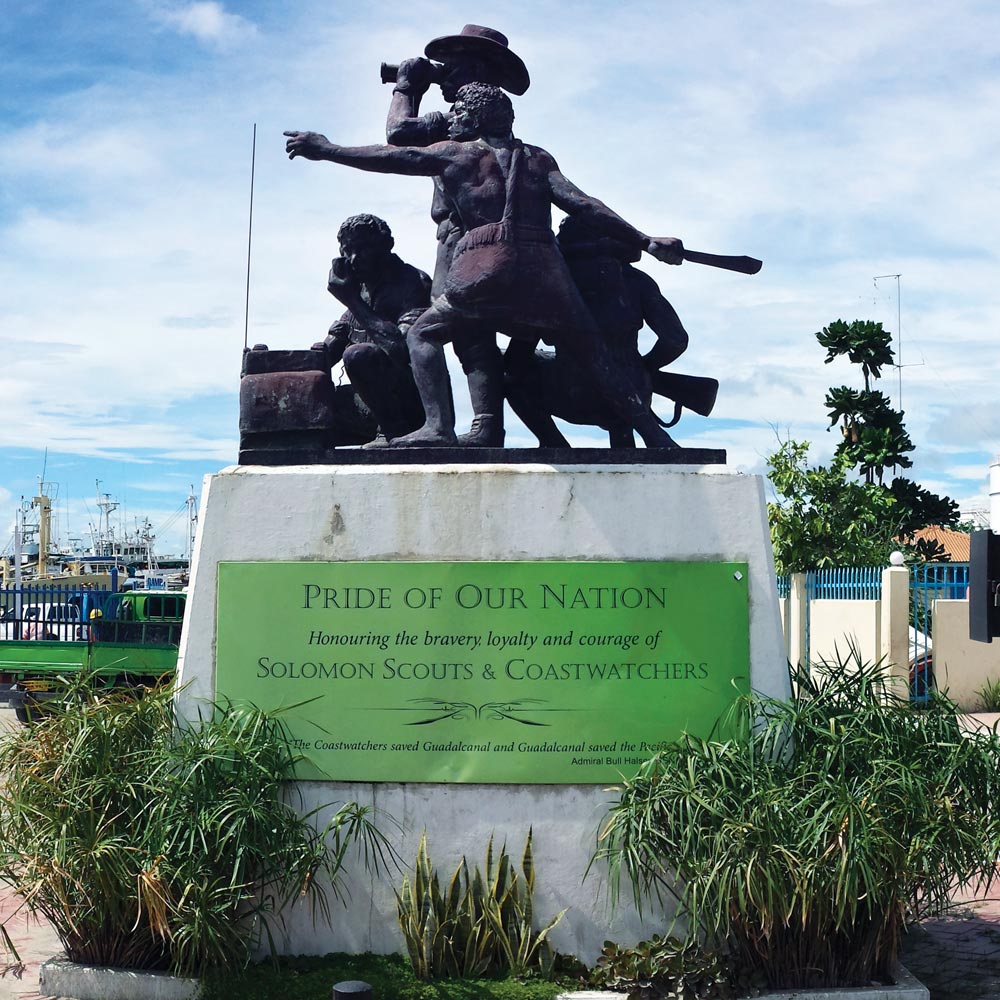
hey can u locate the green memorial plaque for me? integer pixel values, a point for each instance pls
(497, 672)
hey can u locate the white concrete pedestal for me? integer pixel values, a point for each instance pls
(480, 513)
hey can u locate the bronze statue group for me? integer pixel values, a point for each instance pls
(500, 269)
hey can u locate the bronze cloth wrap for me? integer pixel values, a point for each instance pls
(534, 289)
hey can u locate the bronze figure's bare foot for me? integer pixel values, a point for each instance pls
(425, 437)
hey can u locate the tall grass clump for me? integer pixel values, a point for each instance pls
(802, 845)
(989, 696)
(477, 926)
(152, 844)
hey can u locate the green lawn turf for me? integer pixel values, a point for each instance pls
(313, 978)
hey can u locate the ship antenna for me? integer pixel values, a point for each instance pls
(246, 308)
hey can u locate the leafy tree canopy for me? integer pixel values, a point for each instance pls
(865, 343)
(844, 514)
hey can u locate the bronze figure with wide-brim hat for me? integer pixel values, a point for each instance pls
(487, 44)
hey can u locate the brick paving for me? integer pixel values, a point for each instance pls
(958, 956)
(35, 941)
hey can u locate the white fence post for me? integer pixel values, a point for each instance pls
(797, 609)
(895, 640)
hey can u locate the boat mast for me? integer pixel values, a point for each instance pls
(104, 543)
(192, 508)
(44, 504)
(147, 538)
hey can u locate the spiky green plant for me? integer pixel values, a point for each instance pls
(989, 696)
(803, 844)
(480, 925)
(152, 844)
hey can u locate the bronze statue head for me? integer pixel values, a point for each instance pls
(365, 243)
(480, 109)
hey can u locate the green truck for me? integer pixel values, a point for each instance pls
(122, 639)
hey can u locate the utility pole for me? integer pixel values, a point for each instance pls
(192, 506)
(899, 334)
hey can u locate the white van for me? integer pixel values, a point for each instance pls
(50, 621)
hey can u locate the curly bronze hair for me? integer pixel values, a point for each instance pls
(365, 223)
(490, 106)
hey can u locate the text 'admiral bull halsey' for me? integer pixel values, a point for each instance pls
(470, 595)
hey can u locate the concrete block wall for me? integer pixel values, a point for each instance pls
(880, 630)
(961, 667)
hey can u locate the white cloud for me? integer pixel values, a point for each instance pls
(208, 21)
(841, 143)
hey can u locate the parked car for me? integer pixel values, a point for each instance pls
(54, 622)
(922, 676)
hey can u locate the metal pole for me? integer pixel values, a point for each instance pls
(899, 334)
(18, 514)
(246, 308)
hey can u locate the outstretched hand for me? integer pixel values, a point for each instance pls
(668, 249)
(310, 145)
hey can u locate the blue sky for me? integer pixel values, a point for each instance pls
(837, 141)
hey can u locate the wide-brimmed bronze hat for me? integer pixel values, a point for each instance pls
(484, 43)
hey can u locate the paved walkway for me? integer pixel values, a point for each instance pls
(35, 942)
(958, 956)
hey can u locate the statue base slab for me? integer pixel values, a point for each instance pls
(490, 512)
(302, 452)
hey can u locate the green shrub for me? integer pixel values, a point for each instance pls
(989, 696)
(479, 926)
(802, 845)
(152, 844)
(665, 967)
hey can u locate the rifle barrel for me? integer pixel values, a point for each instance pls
(745, 265)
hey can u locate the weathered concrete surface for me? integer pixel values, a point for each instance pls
(63, 978)
(906, 988)
(479, 513)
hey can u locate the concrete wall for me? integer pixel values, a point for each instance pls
(878, 630)
(961, 666)
(501, 512)
(836, 626)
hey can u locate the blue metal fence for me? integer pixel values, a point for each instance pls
(49, 610)
(845, 583)
(930, 582)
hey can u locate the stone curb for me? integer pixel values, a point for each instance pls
(61, 978)
(907, 987)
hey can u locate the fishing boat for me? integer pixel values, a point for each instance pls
(115, 557)
(112, 610)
